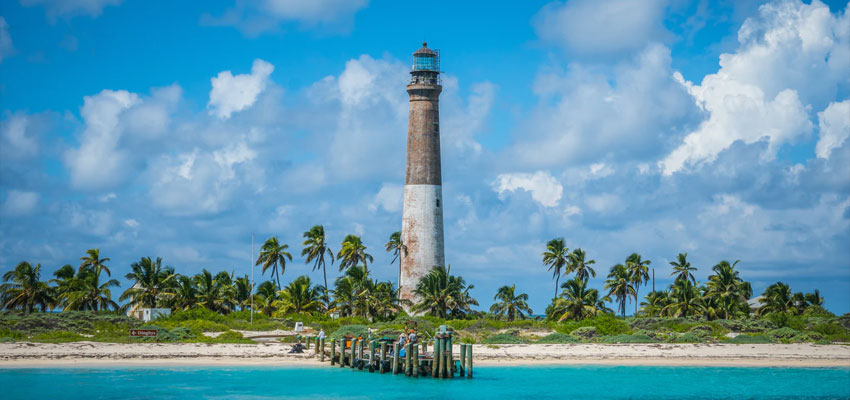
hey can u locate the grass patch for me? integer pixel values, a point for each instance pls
(750, 339)
(557, 338)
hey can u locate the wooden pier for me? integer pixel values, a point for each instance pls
(373, 355)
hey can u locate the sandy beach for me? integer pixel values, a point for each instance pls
(25, 354)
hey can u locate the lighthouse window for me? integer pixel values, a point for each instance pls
(438, 203)
(436, 125)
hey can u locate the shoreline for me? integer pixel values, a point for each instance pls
(95, 354)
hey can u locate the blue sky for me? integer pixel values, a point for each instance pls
(176, 129)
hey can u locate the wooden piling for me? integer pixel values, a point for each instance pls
(333, 351)
(462, 370)
(372, 363)
(407, 363)
(381, 369)
(435, 360)
(451, 365)
(415, 361)
(342, 353)
(353, 353)
(320, 348)
(469, 361)
(444, 359)
(395, 357)
(308, 342)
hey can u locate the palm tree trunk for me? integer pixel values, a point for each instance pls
(327, 299)
(557, 278)
(636, 299)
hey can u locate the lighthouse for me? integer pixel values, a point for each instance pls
(422, 215)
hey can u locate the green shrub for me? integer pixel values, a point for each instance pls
(639, 338)
(585, 333)
(686, 338)
(787, 320)
(750, 339)
(829, 328)
(787, 335)
(198, 313)
(605, 324)
(6, 339)
(747, 325)
(505, 338)
(58, 337)
(14, 335)
(817, 311)
(556, 338)
(354, 330)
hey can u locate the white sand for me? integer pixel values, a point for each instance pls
(23, 354)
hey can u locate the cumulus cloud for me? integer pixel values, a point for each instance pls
(588, 27)
(790, 56)
(461, 122)
(17, 137)
(256, 17)
(585, 115)
(231, 94)
(544, 188)
(6, 47)
(389, 197)
(99, 162)
(71, 8)
(19, 203)
(834, 128)
(199, 182)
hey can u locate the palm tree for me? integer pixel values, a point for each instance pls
(685, 299)
(556, 257)
(727, 290)
(814, 298)
(64, 281)
(777, 298)
(151, 282)
(265, 298)
(396, 246)
(184, 294)
(92, 259)
(580, 266)
(682, 269)
(509, 304)
(619, 284)
(242, 291)
(315, 248)
(274, 255)
(655, 303)
(639, 272)
(210, 292)
(87, 293)
(300, 296)
(385, 302)
(443, 294)
(23, 289)
(578, 302)
(226, 290)
(352, 253)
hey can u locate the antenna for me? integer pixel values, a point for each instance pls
(252, 278)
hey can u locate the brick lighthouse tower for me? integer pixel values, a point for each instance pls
(422, 217)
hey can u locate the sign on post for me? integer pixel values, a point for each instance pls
(143, 333)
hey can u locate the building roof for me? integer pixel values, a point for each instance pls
(424, 50)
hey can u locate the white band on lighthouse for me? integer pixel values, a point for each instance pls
(422, 226)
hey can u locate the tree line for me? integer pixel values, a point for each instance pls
(355, 293)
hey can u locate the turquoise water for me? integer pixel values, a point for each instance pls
(562, 382)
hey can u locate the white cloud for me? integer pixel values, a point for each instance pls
(601, 28)
(202, 182)
(605, 203)
(256, 17)
(544, 188)
(19, 203)
(834, 128)
(99, 162)
(6, 47)
(461, 122)
(389, 198)
(71, 8)
(151, 119)
(789, 56)
(108, 197)
(231, 94)
(17, 137)
(131, 223)
(573, 122)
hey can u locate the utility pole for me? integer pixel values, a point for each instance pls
(653, 279)
(252, 278)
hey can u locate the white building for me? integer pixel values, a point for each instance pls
(148, 314)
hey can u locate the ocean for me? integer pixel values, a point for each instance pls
(533, 382)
